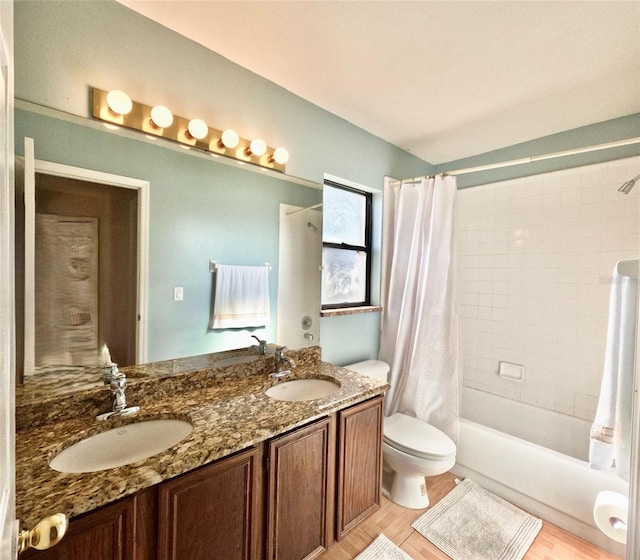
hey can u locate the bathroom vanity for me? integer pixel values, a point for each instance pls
(256, 478)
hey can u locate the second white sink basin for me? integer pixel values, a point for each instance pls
(302, 390)
(121, 446)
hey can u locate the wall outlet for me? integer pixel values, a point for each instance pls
(178, 293)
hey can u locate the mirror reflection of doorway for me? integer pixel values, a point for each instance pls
(86, 272)
(87, 283)
(66, 289)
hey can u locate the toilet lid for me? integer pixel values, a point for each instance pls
(416, 437)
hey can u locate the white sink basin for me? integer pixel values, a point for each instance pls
(302, 390)
(121, 446)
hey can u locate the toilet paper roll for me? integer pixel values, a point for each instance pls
(610, 514)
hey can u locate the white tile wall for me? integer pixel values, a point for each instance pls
(535, 259)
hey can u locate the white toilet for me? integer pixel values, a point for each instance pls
(412, 449)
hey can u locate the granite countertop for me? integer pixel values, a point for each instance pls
(226, 406)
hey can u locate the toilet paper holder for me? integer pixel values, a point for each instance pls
(610, 515)
(617, 523)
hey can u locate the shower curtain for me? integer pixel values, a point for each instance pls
(419, 328)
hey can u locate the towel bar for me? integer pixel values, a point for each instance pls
(213, 266)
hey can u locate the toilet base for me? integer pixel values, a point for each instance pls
(408, 491)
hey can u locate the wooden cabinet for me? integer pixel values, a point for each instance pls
(211, 512)
(286, 499)
(300, 492)
(359, 472)
(119, 531)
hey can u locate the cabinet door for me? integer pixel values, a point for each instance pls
(208, 513)
(105, 534)
(301, 483)
(359, 463)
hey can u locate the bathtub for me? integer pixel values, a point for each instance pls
(566, 434)
(551, 485)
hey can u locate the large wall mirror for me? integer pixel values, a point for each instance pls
(199, 209)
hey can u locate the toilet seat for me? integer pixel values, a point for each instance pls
(417, 438)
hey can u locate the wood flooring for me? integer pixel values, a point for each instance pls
(552, 543)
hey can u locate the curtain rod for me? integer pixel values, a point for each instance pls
(552, 155)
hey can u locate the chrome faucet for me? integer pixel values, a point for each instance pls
(281, 357)
(117, 382)
(262, 345)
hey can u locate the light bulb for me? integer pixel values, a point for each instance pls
(161, 116)
(230, 138)
(280, 156)
(258, 147)
(198, 128)
(119, 102)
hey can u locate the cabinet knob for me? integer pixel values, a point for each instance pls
(47, 533)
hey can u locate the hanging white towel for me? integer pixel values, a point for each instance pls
(609, 446)
(241, 297)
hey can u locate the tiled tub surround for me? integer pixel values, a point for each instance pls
(535, 260)
(226, 406)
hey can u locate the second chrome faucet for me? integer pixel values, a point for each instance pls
(282, 359)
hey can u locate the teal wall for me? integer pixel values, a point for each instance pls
(64, 48)
(599, 133)
(199, 210)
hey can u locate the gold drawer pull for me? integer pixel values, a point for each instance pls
(47, 533)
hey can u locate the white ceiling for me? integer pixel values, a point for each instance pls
(441, 79)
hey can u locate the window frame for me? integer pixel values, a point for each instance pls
(366, 248)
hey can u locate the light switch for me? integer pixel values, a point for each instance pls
(178, 293)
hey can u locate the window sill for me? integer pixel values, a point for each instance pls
(350, 310)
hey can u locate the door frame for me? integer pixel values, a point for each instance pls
(8, 522)
(633, 514)
(107, 179)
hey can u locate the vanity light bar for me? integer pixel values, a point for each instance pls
(187, 132)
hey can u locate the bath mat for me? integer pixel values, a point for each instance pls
(382, 549)
(471, 523)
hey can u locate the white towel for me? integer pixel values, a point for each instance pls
(241, 297)
(609, 445)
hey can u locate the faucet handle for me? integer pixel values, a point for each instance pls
(281, 352)
(262, 345)
(118, 381)
(117, 385)
(109, 373)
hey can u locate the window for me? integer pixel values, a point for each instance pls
(346, 246)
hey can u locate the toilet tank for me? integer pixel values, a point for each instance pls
(371, 368)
